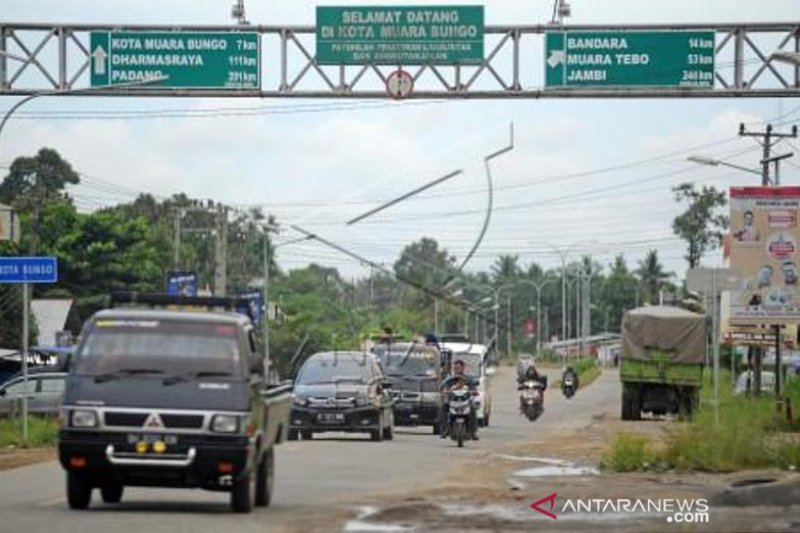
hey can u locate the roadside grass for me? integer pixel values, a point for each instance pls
(42, 432)
(630, 452)
(750, 433)
(588, 370)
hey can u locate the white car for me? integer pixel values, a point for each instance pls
(474, 357)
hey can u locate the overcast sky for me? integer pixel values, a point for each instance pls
(309, 163)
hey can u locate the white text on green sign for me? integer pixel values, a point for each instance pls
(630, 58)
(400, 35)
(198, 60)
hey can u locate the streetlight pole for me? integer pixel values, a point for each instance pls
(538, 287)
(87, 90)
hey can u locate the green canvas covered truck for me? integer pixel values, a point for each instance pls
(663, 351)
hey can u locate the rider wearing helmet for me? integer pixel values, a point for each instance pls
(457, 380)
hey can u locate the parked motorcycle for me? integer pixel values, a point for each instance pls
(531, 399)
(459, 413)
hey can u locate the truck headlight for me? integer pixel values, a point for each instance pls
(83, 418)
(225, 424)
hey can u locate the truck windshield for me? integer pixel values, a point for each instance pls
(159, 347)
(416, 364)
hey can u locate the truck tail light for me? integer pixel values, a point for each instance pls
(77, 462)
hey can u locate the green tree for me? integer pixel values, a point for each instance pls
(652, 276)
(701, 226)
(424, 264)
(31, 184)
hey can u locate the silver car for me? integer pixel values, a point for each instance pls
(44, 390)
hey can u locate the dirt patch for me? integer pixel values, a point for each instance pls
(17, 457)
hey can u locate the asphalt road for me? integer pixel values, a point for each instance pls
(333, 471)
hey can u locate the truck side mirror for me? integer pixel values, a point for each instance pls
(63, 361)
(256, 363)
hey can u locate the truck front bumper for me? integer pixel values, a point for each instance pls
(194, 461)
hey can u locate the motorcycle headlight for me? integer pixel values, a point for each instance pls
(83, 418)
(225, 424)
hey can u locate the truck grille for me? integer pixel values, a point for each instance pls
(171, 421)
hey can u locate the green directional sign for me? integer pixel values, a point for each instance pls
(390, 35)
(629, 59)
(190, 60)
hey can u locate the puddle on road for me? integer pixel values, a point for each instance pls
(543, 460)
(553, 467)
(359, 523)
(557, 471)
(523, 513)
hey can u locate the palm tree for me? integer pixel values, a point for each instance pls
(652, 276)
(506, 267)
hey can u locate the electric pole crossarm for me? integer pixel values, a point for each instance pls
(59, 57)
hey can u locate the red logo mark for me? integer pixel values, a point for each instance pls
(552, 500)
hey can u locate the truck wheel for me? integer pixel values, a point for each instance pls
(265, 479)
(624, 409)
(636, 404)
(293, 434)
(79, 491)
(242, 495)
(112, 492)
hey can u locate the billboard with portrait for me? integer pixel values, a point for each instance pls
(764, 251)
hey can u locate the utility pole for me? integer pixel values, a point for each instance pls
(221, 252)
(176, 259)
(508, 324)
(769, 138)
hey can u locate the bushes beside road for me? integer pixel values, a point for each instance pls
(41, 432)
(750, 433)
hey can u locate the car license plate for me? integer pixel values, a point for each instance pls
(330, 418)
(150, 438)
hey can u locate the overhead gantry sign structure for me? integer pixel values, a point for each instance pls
(447, 52)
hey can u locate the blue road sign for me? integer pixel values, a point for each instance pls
(182, 283)
(28, 270)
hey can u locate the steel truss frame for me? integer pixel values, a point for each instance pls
(37, 58)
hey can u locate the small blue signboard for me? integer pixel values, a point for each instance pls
(182, 283)
(28, 270)
(256, 301)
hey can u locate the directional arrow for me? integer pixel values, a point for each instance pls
(557, 57)
(99, 55)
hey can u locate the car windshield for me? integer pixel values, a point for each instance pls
(415, 363)
(160, 347)
(343, 367)
(472, 363)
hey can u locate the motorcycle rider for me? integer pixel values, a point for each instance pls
(457, 380)
(530, 374)
(569, 372)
